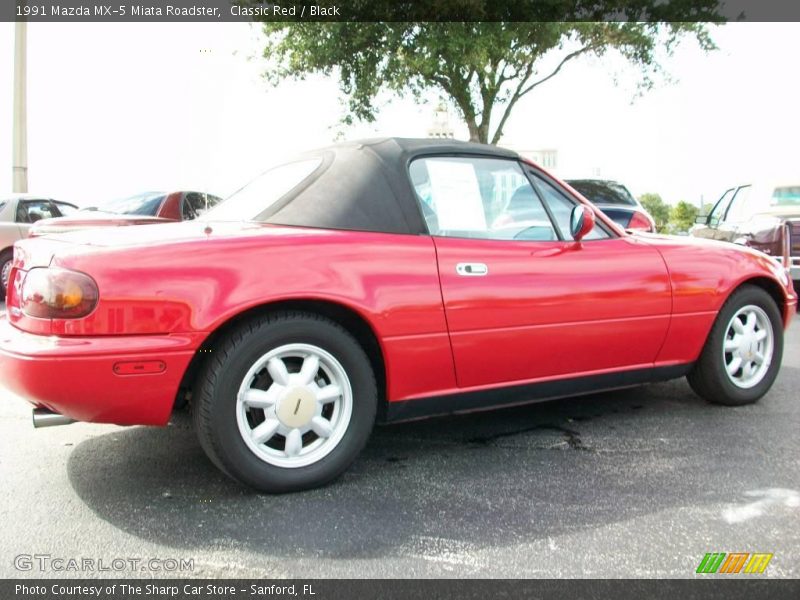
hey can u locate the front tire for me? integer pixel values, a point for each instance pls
(743, 352)
(286, 402)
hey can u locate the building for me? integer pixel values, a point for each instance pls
(441, 126)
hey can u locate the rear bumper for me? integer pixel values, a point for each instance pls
(82, 378)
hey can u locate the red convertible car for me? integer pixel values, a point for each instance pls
(378, 280)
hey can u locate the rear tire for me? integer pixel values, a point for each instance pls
(286, 402)
(6, 258)
(743, 352)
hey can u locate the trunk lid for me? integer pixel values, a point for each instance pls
(39, 251)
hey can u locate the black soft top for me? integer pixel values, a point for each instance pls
(364, 185)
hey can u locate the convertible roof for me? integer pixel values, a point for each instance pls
(364, 185)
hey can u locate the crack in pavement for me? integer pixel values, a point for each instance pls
(572, 437)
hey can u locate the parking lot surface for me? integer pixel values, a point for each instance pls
(634, 483)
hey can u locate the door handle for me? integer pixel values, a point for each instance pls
(471, 269)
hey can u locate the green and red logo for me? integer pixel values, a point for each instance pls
(734, 562)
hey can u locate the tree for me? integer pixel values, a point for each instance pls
(657, 208)
(483, 68)
(682, 216)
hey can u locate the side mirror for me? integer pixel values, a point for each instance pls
(701, 219)
(581, 222)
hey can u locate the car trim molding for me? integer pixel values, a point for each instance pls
(406, 410)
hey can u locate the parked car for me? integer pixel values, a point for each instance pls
(366, 281)
(141, 209)
(615, 200)
(17, 214)
(764, 216)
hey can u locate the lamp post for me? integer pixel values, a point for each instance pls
(20, 133)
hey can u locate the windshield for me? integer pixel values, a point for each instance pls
(604, 192)
(261, 193)
(786, 196)
(146, 204)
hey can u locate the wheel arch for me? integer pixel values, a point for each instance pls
(354, 322)
(769, 285)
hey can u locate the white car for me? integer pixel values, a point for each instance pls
(17, 214)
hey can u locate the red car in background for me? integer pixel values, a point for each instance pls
(141, 209)
(380, 280)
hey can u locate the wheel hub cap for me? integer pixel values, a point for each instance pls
(294, 405)
(297, 407)
(748, 347)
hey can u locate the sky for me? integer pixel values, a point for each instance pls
(117, 109)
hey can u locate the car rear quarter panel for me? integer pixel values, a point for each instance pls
(391, 281)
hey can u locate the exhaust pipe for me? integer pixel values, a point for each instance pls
(47, 418)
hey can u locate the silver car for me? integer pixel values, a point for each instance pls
(17, 214)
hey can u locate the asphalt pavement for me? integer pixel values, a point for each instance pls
(636, 483)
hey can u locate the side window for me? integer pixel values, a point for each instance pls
(484, 198)
(561, 208)
(30, 211)
(720, 208)
(195, 204)
(65, 209)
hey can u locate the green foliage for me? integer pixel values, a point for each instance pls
(483, 68)
(658, 209)
(682, 216)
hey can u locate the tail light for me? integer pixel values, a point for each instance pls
(55, 293)
(641, 222)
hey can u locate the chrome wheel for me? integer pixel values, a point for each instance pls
(294, 405)
(748, 346)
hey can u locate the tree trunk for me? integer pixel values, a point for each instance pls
(475, 132)
(478, 133)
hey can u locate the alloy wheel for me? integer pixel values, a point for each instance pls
(748, 346)
(294, 405)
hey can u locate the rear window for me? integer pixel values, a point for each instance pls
(196, 204)
(604, 192)
(146, 204)
(265, 190)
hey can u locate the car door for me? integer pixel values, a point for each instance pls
(523, 301)
(736, 214)
(708, 225)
